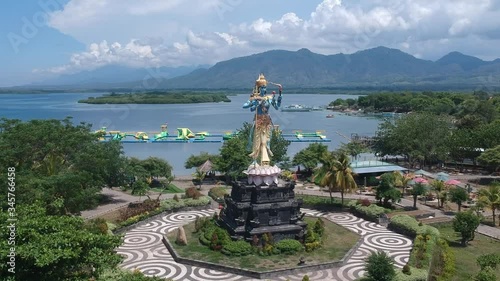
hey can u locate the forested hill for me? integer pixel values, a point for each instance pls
(378, 67)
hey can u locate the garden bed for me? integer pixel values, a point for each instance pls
(337, 242)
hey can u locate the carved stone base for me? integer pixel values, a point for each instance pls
(256, 210)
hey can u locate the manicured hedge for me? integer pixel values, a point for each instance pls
(370, 213)
(319, 202)
(289, 246)
(410, 227)
(237, 248)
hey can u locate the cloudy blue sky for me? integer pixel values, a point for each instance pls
(46, 38)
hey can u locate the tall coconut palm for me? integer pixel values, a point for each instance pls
(338, 174)
(490, 197)
(326, 173)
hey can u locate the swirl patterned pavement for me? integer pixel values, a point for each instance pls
(144, 250)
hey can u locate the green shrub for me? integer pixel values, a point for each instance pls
(312, 240)
(217, 192)
(443, 262)
(201, 201)
(311, 246)
(491, 260)
(486, 274)
(98, 226)
(237, 248)
(379, 266)
(311, 236)
(219, 238)
(320, 201)
(406, 269)
(370, 213)
(267, 244)
(421, 254)
(201, 223)
(416, 275)
(410, 227)
(466, 223)
(289, 246)
(319, 227)
(208, 233)
(351, 204)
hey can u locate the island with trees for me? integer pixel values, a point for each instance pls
(158, 98)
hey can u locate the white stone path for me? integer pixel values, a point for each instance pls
(144, 250)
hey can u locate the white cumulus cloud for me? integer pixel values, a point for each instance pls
(175, 32)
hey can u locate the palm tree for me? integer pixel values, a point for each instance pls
(418, 189)
(199, 176)
(490, 197)
(338, 173)
(326, 174)
(402, 180)
(438, 186)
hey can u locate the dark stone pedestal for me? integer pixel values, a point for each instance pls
(256, 210)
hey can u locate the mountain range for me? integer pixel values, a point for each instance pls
(115, 75)
(377, 67)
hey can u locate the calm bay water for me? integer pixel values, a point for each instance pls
(213, 117)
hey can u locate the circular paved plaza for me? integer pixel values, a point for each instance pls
(144, 250)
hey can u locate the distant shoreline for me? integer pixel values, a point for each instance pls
(157, 98)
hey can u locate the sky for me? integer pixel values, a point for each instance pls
(41, 39)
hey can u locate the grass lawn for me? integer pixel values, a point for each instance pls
(466, 266)
(172, 188)
(336, 242)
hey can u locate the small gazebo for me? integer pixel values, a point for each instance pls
(207, 168)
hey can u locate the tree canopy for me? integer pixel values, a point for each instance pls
(234, 152)
(55, 159)
(420, 137)
(310, 156)
(52, 248)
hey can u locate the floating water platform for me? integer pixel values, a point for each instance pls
(184, 135)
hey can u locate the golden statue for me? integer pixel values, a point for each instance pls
(260, 102)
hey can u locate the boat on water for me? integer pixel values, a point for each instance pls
(330, 116)
(317, 108)
(296, 108)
